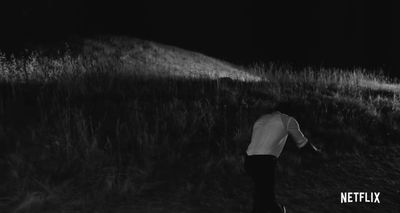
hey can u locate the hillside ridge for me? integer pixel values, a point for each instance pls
(151, 58)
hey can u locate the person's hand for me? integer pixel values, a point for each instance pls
(315, 151)
(310, 149)
(311, 155)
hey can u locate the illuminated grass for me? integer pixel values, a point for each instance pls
(87, 131)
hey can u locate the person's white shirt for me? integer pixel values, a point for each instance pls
(270, 133)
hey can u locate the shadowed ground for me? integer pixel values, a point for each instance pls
(134, 126)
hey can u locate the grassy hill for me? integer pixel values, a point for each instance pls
(152, 59)
(127, 125)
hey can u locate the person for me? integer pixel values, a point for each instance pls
(268, 139)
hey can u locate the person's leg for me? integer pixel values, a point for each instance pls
(269, 185)
(262, 171)
(252, 166)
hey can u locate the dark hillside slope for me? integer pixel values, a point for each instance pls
(122, 127)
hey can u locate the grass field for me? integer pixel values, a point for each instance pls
(125, 125)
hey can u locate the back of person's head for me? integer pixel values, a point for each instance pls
(261, 108)
(283, 107)
(268, 107)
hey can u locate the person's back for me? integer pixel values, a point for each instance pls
(270, 133)
(268, 139)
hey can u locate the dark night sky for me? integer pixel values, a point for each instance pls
(339, 33)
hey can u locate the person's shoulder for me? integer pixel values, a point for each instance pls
(284, 115)
(287, 116)
(265, 117)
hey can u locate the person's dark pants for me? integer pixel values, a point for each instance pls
(261, 169)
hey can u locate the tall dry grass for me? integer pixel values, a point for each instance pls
(76, 131)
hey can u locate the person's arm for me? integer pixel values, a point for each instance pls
(307, 149)
(301, 141)
(295, 132)
(310, 148)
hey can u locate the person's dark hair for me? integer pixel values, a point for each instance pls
(283, 107)
(262, 107)
(265, 107)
